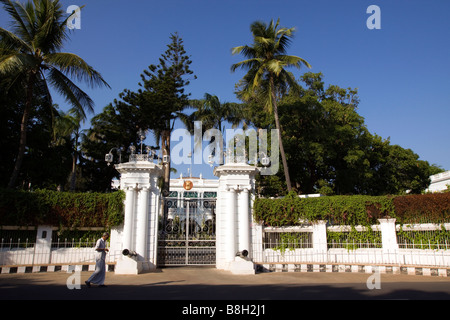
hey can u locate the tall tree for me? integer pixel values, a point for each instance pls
(162, 98)
(267, 75)
(67, 129)
(114, 129)
(214, 114)
(331, 150)
(30, 58)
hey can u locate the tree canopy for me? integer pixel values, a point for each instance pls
(31, 60)
(331, 151)
(267, 77)
(328, 148)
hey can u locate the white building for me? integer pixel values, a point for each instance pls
(193, 187)
(439, 182)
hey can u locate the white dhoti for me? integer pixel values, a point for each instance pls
(98, 277)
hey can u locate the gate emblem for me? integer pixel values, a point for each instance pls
(187, 185)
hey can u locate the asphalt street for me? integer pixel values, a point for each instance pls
(211, 284)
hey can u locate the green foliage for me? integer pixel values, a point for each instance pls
(354, 239)
(331, 151)
(267, 77)
(340, 210)
(291, 241)
(64, 209)
(80, 236)
(352, 210)
(423, 239)
(426, 208)
(31, 62)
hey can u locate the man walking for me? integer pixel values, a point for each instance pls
(98, 277)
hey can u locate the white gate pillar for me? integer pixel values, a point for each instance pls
(233, 216)
(142, 225)
(137, 253)
(130, 196)
(244, 220)
(231, 225)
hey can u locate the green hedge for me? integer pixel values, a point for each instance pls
(352, 210)
(426, 208)
(65, 209)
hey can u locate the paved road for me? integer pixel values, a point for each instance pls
(211, 284)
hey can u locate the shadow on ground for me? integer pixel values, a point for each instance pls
(18, 287)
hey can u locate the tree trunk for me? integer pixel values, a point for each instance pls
(165, 137)
(73, 173)
(277, 124)
(73, 178)
(23, 135)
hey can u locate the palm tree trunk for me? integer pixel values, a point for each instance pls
(23, 135)
(74, 165)
(280, 140)
(73, 173)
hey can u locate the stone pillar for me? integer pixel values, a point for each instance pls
(244, 221)
(139, 179)
(320, 245)
(320, 235)
(43, 246)
(231, 225)
(233, 217)
(389, 240)
(129, 218)
(388, 234)
(142, 225)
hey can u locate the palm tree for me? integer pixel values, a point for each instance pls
(213, 114)
(67, 127)
(267, 76)
(30, 58)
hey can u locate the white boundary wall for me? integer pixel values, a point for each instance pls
(388, 252)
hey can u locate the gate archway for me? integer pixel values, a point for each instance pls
(187, 229)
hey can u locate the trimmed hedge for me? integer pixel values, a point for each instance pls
(426, 208)
(352, 210)
(65, 209)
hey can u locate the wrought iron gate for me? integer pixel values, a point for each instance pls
(187, 231)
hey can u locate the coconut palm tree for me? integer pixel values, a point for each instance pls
(267, 77)
(213, 114)
(30, 58)
(67, 127)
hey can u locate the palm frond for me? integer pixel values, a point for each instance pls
(74, 66)
(247, 64)
(13, 63)
(73, 94)
(18, 13)
(9, 41)
(293, 61)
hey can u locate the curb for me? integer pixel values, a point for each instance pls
(52, 268)
(260, 268)
(352, 268)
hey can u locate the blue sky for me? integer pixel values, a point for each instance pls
(402, 71)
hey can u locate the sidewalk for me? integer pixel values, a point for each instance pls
(211, 284)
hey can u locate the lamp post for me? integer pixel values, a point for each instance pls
(141, 134)
(109, 156)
